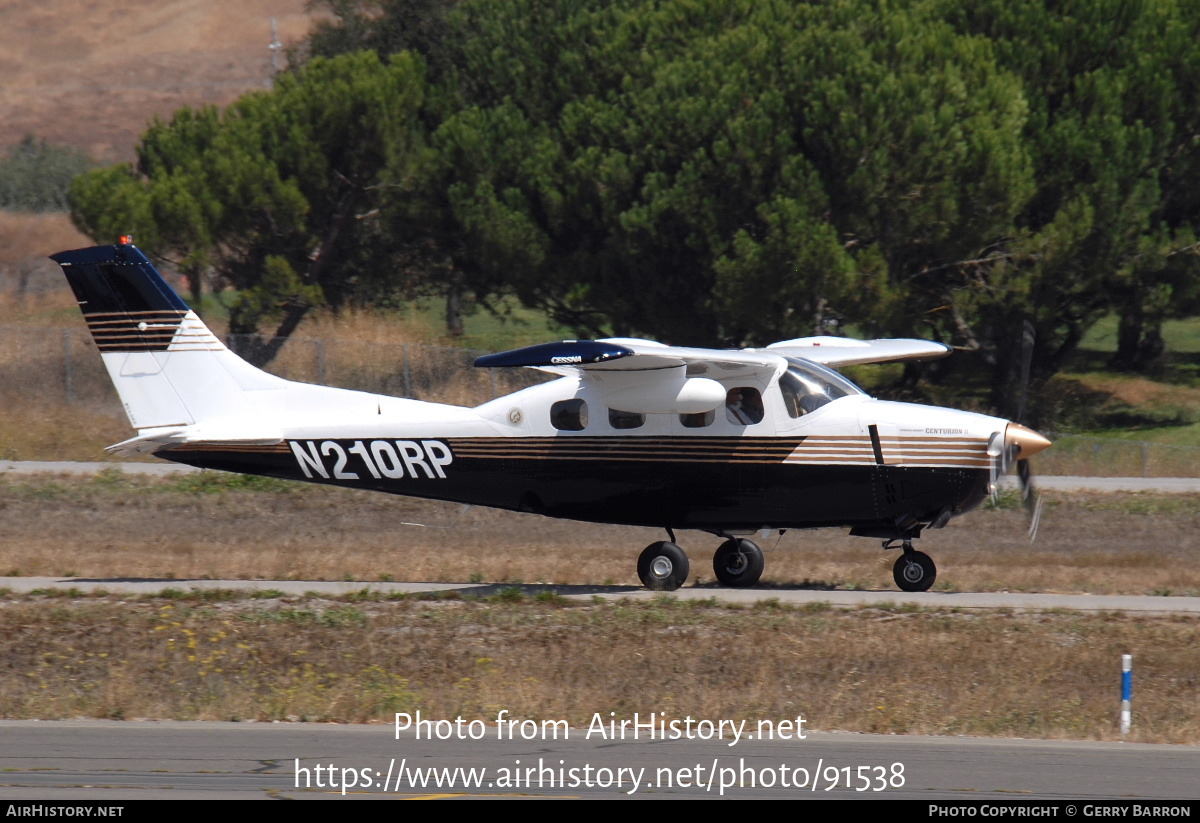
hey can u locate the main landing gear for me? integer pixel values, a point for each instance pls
(663, 566)
(738, 563)
(914, 571)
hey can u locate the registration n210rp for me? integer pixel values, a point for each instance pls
(394, 459)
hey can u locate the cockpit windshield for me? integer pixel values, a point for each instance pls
(807, 386)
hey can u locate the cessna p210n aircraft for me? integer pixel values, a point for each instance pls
(633, 431)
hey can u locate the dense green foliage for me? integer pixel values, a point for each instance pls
(280, 195)
(35, 175)
(713, 172)
(1113, 137)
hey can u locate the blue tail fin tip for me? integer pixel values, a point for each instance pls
(117, 280)
(125, 301)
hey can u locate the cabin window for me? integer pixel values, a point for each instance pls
(625, 420)
(569, 415)
(744, 406)
(699, 420)
(807, 390)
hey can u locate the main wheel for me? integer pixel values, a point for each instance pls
(914, 571)
(663, 567)
(738, 563)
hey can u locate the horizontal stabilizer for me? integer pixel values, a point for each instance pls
(152, 440)
(142, 444)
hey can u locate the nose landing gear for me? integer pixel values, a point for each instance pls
(914, 571)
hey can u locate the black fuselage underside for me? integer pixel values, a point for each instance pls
(702, 494)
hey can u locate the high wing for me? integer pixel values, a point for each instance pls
(631, 354)
(648, 377)
(849, 351)
(645, 376)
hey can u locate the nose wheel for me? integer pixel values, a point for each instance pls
(914, 571)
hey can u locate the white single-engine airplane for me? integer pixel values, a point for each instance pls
(633, 432)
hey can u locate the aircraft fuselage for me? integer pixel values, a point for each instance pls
(803, 478)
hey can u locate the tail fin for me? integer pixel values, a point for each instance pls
(168, 368)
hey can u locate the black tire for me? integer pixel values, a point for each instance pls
(663, 567)
(914, 571)
(738, 563)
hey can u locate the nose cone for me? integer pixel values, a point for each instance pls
(1027, 441)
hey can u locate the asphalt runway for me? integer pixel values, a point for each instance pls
(113, 760)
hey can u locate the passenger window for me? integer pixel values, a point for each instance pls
(744, 406)
(625, 420)
(569, 415)
(698, 420)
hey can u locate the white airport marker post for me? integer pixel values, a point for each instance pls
(1126, 691)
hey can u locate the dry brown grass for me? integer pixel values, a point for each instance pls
(1112, 457)
(93, 74)
(223, 526)
(27, 236)
(869, 670)
(218, 655)
(46, 431)
(373, 330)
(392, 354)
(32, 288)
(52, 411)
(1142, 392)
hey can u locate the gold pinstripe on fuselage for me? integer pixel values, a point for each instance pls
(915, 452)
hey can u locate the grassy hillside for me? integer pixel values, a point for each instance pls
(93, 74)
(1161, 408)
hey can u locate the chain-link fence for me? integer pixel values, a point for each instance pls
(62, 366)
(1080, 455)
(52, 365)
(443, 374)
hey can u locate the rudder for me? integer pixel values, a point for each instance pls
(169, 369)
